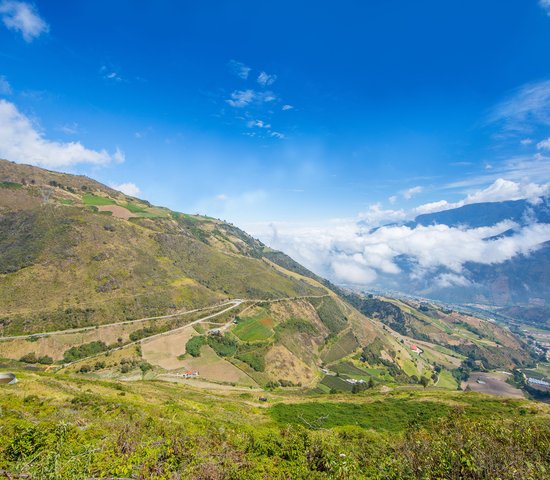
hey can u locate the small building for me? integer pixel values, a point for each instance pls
(415, 349)
(190, 374)
(215, 331)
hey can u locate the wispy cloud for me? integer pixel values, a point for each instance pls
(243, 98)
(69, 129)
(528, 105)
(23, 18)
(110, 74)
(278, 135)
(21, 141)
(545, 4)
(544, 144)
(284, 108)
(5, 87)
(265, 79)
(239, 69)
(411, 192)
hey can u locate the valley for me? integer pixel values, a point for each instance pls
(113, 309)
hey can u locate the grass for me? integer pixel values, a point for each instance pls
(90, 199)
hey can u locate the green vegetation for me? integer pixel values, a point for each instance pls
(254, 328)
(296, 325)
(194, 345)
(95, 200)
(12, 185)
(87, 350)
(330, 314)
(68, 427)
(224, 346)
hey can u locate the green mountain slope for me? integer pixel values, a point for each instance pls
(75, 253)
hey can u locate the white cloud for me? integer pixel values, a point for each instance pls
(278, 135)
(436, 207)
(5, 87)
(21, 142)
(241, 98)
(502, 190)
(351, 253)
(526, 141)
(23, 18)
(544, 144)
(265, 79)
(222, 197)
(127, 188)
(286, 107)
(239, 69)
(375, 215)
(392, 199)
(258, 124)
(411, 192)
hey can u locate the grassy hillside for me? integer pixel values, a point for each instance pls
(65, 427)
(74, 252)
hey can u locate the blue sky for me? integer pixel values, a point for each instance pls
(283, 113)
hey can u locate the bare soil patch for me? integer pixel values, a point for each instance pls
(117, 211)
(164, 350)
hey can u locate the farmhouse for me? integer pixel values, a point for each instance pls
(415, 349)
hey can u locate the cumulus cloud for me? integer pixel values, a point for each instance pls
(544, 144)
(21, 141)
(502, 190)
(127, 188)
(375, 215)
(5, 87)
(350, 253)
(239, 69)
(411, 192)
(23, 18)
(265, 79)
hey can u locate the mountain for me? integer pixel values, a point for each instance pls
(517, 285)
(488, 213)
(103, 283)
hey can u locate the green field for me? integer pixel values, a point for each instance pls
(90, 199)
(254, 328)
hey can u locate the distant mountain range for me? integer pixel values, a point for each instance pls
(520, 284)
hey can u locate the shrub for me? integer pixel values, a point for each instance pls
(194, 345)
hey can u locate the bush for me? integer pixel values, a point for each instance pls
(83, 351)
(194, 345)
(29, 358)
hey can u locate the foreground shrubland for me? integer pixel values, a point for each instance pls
(65, 427)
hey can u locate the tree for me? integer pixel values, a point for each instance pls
(424, 381)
